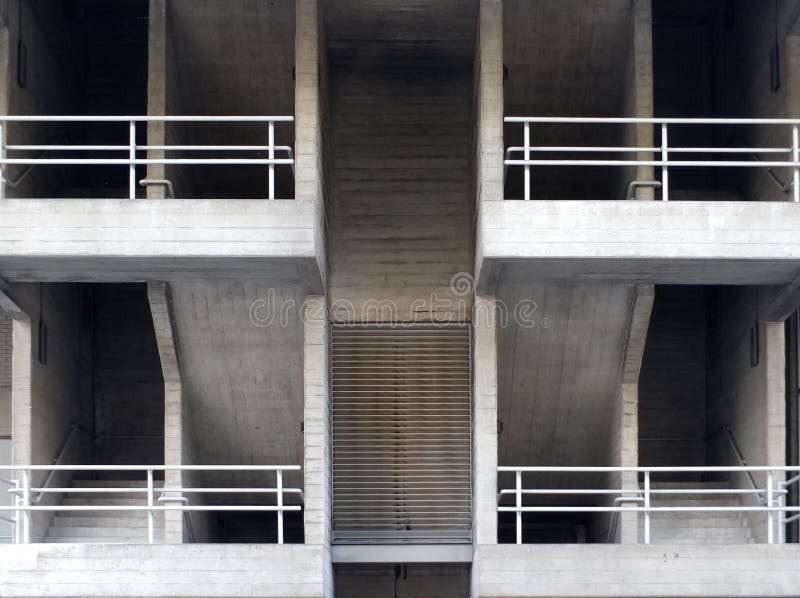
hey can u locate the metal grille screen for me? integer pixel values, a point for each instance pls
(401, 433)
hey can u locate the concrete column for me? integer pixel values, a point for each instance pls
(625, 433)
(21, 396)
(776, 393)
(484, 440)
(307, 102)
(156, 91)
(158, 296)
(489, 80)
(316, 430)
(642, 89)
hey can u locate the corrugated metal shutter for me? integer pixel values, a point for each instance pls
(401, 433)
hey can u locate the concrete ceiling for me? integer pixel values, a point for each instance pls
(563, 60)
(557, 382)
(433, 31)
(243, 383)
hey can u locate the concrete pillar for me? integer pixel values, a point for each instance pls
(776, 393)
(316, 430)
(625, 429)
(489, 81)
(484, 441)
(641, 88)
(156, 91)
(174, 417)
(307, 100)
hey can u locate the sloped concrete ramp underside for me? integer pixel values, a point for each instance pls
(559, 370)
(240, 346)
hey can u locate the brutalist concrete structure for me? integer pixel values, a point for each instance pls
(453, 298)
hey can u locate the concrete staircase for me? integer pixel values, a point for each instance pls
(106, 527)
(723, 527)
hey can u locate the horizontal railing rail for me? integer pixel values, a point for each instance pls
(615, 501)
(663, 156)
(132, 149)
(23, 489)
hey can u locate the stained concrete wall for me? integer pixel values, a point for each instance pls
(745, 388)
(672, 388)
(48, 397)
(128, 384)
(53, 85)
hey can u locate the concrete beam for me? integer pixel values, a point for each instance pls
(697, 242)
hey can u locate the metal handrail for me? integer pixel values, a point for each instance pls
(24, 504)
(43, 151)
(775, 492)
(73, 430)
(132, 147)
(664, 152)
(740, 457)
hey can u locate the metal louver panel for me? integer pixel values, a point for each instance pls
(401, 433)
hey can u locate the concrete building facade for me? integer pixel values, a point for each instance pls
(452, 298)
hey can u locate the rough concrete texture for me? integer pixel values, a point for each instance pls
(507, 571)
(163, 571)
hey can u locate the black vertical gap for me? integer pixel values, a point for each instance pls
(792, 331)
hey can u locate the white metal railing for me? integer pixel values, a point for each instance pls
(23, 489)
(662, 156)
(639, 500)
(127, 153)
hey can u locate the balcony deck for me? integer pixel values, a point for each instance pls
(202, 570)
(507, 570)
(698, 242)
(108, 240)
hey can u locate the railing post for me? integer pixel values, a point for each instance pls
(527, 155)
(781, 514)
(796, 160)
(664, 159)
(150, 526)
(26, 502)
(647, 507)
(770, 514)
(17, 515)
(271, 151)
(279, 475)
(132, 156)
(3, 167)
(518, 495)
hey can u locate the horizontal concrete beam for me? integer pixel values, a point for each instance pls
(200, 570)
(619, 570)
(113, 239)
(402, 553)
(704, 242)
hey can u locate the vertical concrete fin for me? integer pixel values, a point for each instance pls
(317, 464)
(484, 438)
(176, 430)
(625, 418)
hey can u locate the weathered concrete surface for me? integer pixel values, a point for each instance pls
(643, 242)
(510, 571)
(123, 240)
(199, 570)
